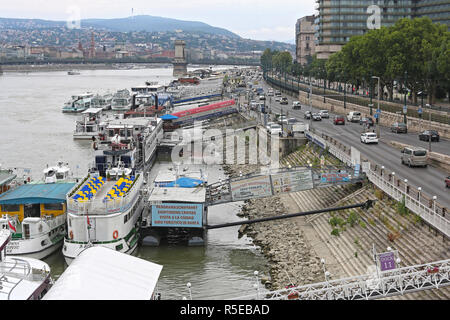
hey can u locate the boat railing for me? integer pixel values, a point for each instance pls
(118, 204)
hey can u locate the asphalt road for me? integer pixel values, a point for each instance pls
(431, 179)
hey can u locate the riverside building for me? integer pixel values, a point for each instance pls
(338, 20)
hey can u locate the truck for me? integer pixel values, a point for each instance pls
(298, 128)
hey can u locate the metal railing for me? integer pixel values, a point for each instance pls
(426, 208)
(383, 284)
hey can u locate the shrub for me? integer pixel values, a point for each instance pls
(401, 207)
(379, 194)
(335, 232)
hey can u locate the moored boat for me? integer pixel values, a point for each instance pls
(121, 101)
(78, 103)
(88, 126)
(21, 278)
(36, 215)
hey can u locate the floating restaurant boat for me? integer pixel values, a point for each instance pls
(105, 208)
(88, 126)
(21, 278)
(78, 103)
(121, 101)
(36, 215)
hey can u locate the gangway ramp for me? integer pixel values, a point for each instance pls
(277, 181)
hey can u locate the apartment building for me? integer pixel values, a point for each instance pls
(304, 39)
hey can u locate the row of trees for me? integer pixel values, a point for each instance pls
(413, 54)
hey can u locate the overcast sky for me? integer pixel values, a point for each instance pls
(254, 19)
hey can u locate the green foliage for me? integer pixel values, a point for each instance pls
(335, 232)
(352, 218)
(401, 207)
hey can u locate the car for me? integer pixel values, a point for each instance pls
(366, 121)
(275, 129)
(447, 182)
(339, 120)
(414, 156)
(316, 117)
(369, 137)
(270, 93)
(324, 114)
(307, 115)
(296, 105)
(399, 127)
(277, 98)
(353, 116)
(268, 125)
(278, 93)
(281, 118)
(292, 120)
(284, 100)
(425, 135)
(262, 97)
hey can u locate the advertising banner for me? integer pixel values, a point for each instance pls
(179, 215)
(256, 187)
(334, 177)
(292, 181)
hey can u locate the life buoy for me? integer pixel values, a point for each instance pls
(71, 234)
(115, 234)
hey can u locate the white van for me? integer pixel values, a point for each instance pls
(354, 116)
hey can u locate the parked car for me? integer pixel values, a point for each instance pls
(399, 127)
(316, 117)
(339, 120)
(296, 105)
(284, 100)
(324, 114)
(275, 129)
(425, 136)
(307, 115)
(369, 137)
(353, 116)
(447, 182)
(413, 156)
(367, 121)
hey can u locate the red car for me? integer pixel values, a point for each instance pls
(339, 120)
(447, 182)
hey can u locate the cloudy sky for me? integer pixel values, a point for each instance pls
(254, 19)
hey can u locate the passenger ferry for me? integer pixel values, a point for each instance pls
(88, 126)
(21, 278)
(121, 101)
(78, 103)
(102, 101)
(105, 208)
(36, 215)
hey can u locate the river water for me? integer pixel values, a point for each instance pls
(35, 133)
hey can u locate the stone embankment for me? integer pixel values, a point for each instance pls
(294, 247)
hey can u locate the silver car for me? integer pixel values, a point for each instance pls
(413, 156)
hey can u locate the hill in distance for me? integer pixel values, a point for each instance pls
(135, 23)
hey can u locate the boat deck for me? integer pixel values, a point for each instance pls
(97, 200)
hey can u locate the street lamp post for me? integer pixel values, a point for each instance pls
(405, 106)
(378, 108)
(429, 129)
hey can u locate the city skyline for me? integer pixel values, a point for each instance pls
(257, 20)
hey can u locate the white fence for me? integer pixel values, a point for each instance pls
(428, 209)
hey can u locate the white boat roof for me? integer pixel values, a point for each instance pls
(92, 110)
(170, 175)
(191, 195)
(99, 273)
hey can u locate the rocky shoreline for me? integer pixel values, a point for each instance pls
(291, 258)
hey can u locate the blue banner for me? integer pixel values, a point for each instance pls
(177, 215)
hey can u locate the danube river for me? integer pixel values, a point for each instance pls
(35, 133)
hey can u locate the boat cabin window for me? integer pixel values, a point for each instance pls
(32, 210)
(53, 206)
(60, 175)
(10, 207)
